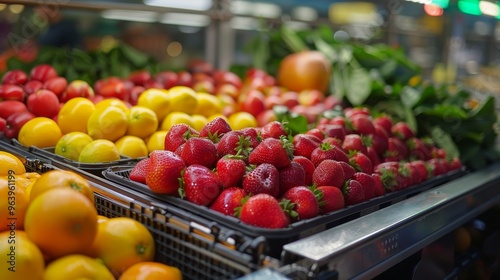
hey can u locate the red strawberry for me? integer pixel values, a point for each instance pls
(361, 124)
(273, 151)
(438, 153)
(326, 151)
(385, 122)
(437, 166)
(354, 142)
(304, 144)
(402, 131)
(329, 173)
(263, 179)
(252, 135)
(353, 192)
(231, 170)
(178, 135)
(380, 140)
(333, 141)
(338, 120)
(178, 151)
(367, 182)
(273, 130)
(334, 130)
(232, 143)
(263, 210)
(215, 129)
(164, 170)
(414, 174)
(291, 176)
(228, 200)
(308, 167)
(373, 156)
(403, 177)
(332, 199)
(361, 162)
(138, 173)
(396, 151)
(379, 186)
(417, 149)
(422, 170)
(199, 151)
(455, 164)
(306, 203)
(351, 112)
(388, 172)
(348, 170)
(316, 132)
(199, 185)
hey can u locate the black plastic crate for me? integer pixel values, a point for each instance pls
(276, 238)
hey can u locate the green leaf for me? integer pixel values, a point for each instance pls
(388, 68)
(138, 59)
(410, 96)
(485, 109)
(444, 141)
(444, 111)
(336, 84)
(410, 118)
(261, 54)
(325, 48)
(359, 86)
(292, 40)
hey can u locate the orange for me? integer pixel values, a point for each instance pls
(208, 104)
(108, 123)
(142, 122)
(77, 267)
(98, 151)
(61, 222)
(13, 205)
(157, 100)
(151, 271)
(28, 260)
(183, 99)
(25, 180)
(40, 132)
(74, 115)
(241, 120)
(132, 146)
(112, 102)
(10, 164)
(71, 145)
(156, 141)
(121, 243)
(176, 118)
(101, 218)
(61, 179)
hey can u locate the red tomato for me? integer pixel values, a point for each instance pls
(43, 103)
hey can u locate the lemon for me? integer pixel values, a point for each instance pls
(157, 100)
(71, 144)
(40, 132)
(74, 115)
(176, 118)
(114, 102)
(100, 150)
(10, 163)
(199, 121)
(142, 122)
(241, 120)
(132, 146)
(208, 104)
(183, 99)
(156, 141)
(107, 123)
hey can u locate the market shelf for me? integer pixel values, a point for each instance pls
(369, 245)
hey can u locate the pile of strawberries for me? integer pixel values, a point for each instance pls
(270, 179)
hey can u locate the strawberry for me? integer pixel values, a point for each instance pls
(201, 151)
(199, 185)
(232, 143)
(402, 131)
(291, 176)
(138, 173)
(231, 170)
(437, 166)
(163, 171)
(348, 170)
(329, 173)
(360, 124)
(334, 130)
(414, 174)
(177, 135)
(422, 169)
(354, 142)
(331, 199)
(438, 153)
(338, 120)
(178, 151)
(403, 177)
(396, 151)
(455, 164)
(388, 172)
(273, 129)
(263, 210)
(361, 162)
(351, 112)
(417, 149)
(228, 200)
(273, 151)
(263, 179)
(372, 155)
(305, 201)
(333, 141)
(308, 167)
(385, 122)
(326, 151)
(367, 182)
(380, 140)
(316, 132)
(304, 144)
(379, 186)
(253, 136)
(353, 192)
(215, 129)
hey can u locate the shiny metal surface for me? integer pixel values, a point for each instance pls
(365, 247)
(265, 273)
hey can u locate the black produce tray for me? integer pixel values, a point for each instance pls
(276, 238)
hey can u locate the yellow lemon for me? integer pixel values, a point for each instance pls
(100, 150)
(156, 141)
(108, 123)
(40, 132)
(157, 100)
(76, 266)
(142, 122)
(9, 164)
(74, 115)
(114, 102)
(241, 120)
(27, 259)
(132, 146)
(71, 144)
(183, 99)
(208, 104)
(199, 121)
(176, 118)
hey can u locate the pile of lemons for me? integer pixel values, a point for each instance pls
(103, 132)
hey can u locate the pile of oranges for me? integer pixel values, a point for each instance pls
(50, 229)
